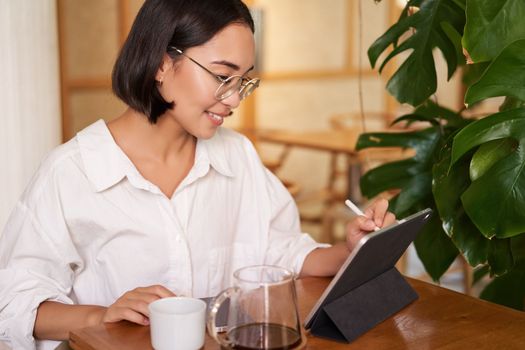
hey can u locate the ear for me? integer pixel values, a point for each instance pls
(165, 65)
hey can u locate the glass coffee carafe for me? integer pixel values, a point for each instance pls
(262, 311)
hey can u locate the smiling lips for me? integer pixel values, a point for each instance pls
(216, 119)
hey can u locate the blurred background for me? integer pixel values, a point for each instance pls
(56, 59)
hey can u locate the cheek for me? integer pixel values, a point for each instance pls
(192, 88)
(192, 100)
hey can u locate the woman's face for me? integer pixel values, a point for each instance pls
(230, 52)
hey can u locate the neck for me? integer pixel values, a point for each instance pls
(158, 142)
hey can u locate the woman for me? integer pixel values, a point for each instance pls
(160, 201)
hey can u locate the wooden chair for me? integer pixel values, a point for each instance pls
(345, 175)
(272, 163)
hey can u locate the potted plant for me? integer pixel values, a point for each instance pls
(471, 171)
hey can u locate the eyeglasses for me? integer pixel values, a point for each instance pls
(227, 85)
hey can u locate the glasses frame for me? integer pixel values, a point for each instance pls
(244, 81)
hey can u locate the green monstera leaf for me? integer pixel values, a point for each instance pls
(507, 289)
(500, 257)
(488, 154)
(511, 103)
(491, 26)
(435, 249)
(434, 114)
(411, 175)
(472, 173)
(495, 200)
(414, 178)
(505, 76)
(447, 187)
(437, 23)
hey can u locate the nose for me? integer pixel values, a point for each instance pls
(233, 100)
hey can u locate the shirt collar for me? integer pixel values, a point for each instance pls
(215, 151)
(106, 164)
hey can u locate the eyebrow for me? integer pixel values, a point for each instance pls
(231, 65)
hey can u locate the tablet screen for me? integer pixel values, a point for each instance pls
(375, 253)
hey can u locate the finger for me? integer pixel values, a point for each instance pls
(117, 313)
(158, 290)
(137, 301)
(378, 211)
(360, 224)
(356, 229)
(138, 305)
(143, 296)
(390, 218)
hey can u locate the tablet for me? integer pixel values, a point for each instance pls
(374, 254)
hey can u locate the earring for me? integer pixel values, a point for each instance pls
(159, 82)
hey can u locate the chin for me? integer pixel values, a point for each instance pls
(206, 134)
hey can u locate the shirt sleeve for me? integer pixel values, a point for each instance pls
(287, 245)
(35, 265)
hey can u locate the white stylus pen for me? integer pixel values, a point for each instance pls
(356, 210)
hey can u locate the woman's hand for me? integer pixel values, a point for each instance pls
(376, 216)
(54, 320)
(327, 261)
(133, 305)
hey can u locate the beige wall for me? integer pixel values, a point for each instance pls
(317, 42)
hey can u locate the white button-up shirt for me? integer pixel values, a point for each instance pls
(89, 227)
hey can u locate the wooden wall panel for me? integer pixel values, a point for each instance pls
(90, 36)
(375, 16)
(89, 105)
(309, 104)
(309, 35)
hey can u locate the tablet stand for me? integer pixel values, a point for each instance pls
(360, 309)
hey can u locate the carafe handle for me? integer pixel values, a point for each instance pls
(212, 329)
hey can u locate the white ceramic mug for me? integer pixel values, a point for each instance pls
(177, 323)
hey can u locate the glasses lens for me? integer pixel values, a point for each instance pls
(249, 87)
(235, 84)
(228, 87)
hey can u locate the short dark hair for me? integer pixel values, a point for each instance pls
(163, 23)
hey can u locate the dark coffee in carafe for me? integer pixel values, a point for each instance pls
(262, 313)
(267, 336)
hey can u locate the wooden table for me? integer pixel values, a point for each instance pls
(338, 141)
(439, 319)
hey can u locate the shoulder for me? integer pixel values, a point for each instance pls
(233, 153)
(234, 143)
(60, 155)
(231, 137)
(61, 162)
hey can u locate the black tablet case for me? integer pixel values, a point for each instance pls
(370, 289)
